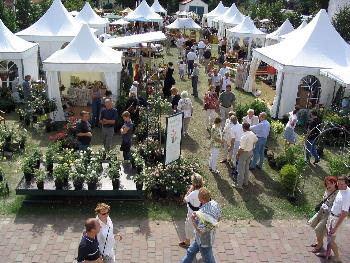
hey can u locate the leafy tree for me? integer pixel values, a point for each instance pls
(295, 18)
(341, 22)
(24, 14)
(8, 17)
(76, 5)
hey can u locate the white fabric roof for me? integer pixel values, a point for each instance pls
(217, 11)
(144, 13)
(229, 13)
(235, 20)
(14, 47)
(339, 74)
(131, 41)
(120, 21)
(285, 28)
(88, 16)
(183, 23)
(246, 29)
(156, 7)
(74, 13)
(318, 45)
(55, 25)
(84, 53)
(294, 32)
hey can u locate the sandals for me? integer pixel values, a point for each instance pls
(183, 244)
(316, 250)
(314, 245)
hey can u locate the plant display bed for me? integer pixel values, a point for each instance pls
(127, 189)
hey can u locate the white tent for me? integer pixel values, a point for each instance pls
(24, 54)
(156, 7)
(294, 32)
(52, 30)
(217, 11)
(133, 40)
(119, 22)
(85, 54)
(234, 20)
(183, 23)
(74, 13)
(88, 16)
(340, 75)
(144, 13)
(285, 28)
(231, 12)
(317, 46)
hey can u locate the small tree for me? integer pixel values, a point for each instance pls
(24, 14)
(341, 22)
(8, 17)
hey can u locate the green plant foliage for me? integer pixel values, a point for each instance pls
(8, 17)
(341, 22)
(289, 177)
(277, 128)
(40, 175)
(339, 164)
(258, 105)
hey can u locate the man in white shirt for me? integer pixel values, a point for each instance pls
(224, 69)
(134, 87)
(180, 45)
(244, 155)
(226, 80)
(236, 135)
(191, 57)
(201, 47)
(339, 212)
(227, 138)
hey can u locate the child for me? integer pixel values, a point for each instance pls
(182, 69)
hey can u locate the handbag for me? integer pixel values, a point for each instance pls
(318, 206)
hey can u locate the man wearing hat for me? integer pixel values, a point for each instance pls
(134, 87)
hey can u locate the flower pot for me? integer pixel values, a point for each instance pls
(92, 186)
(139, 169)
(35, 118)
(139, 186)
(49, 168)
(27, 121)
(37, 165)
(59, 185)
(28, 177)
(65, 180)
(40, 185)
(78, 185)
(116, 184)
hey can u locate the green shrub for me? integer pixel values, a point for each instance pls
(257, 105)
(289, 177)
(339, 164)
(277, 128)
(281, 160)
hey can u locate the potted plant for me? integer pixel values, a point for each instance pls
(40, 176)
(36, 155)
(60, 173)
(139, 164)
(78, 179)
(28, 169)
(139, 179)
(92, 179)
(114, 175)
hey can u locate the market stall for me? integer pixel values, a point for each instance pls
(183, 23)
(220, 20)
(273, 37)
(55, 28)
(88, 16)
(156, 7)
(144, 13)
(85, 57)
(293, 33)
(22, 54)
(216, 12)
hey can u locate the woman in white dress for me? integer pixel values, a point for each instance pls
(250, 118)
(185, 106)
(106, 237)
(289, 133)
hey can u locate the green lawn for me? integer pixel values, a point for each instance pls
(263, 200)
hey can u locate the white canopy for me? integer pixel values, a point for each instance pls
(52, 30)
(294, 32)
(119, 22)
(217, 11)
(234, 20)
(228, 14)
(285, 28)
(246, 29)
(88, 16)
(24, 54)
(183, 23)
(144, 13)
(84, 54)
(317, 46)
(156, 7)
(131, 41)
(339, 74)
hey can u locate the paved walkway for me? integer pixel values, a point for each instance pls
(48, 239)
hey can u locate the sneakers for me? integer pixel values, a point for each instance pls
(237, 186)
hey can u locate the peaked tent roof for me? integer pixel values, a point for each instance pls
(93, 53)
(14, 47)
(217, 11)
(55, 24)
(144, 13)
(285, 28)
(235, 20)
(338, 74)
(317, 45)
(290, 34)
(156, 7)
(183, 23)
(120, 21)
(133, 40)
(245, 29)
(229, 13)
(88, 16)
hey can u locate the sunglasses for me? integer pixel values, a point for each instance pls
(105, 213)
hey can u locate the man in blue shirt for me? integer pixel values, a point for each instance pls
(88, 250)
(262, 131)
(26, 88)
(107, 119)
(126, 132)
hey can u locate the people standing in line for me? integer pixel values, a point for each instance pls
(195, 76)
(239, 81)
(262, 131)
(215, 144)
(88, 250)
(26, 86)
(226, 137)
(176, 98)
(226, 100)
(211, 105)
(216, 81)
(105, 237)
(319, 220)
(338, 215)
(95, 105)
(289, 133)
(235, 138)
(185, 106)
(225, 81)
(126, 131)
(250, 118)
(193, 204)
(244, 155)
(204, 236)
(310, 143)
(83, 131)
(169, 80)
(108, 119)
(191, 57)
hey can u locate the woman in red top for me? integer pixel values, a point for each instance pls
(211, 104)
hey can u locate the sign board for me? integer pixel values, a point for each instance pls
(173, 133)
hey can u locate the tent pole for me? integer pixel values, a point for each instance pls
(279, 96)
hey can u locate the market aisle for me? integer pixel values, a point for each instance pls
(48, 239)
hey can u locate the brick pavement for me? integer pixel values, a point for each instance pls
(48, 239)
